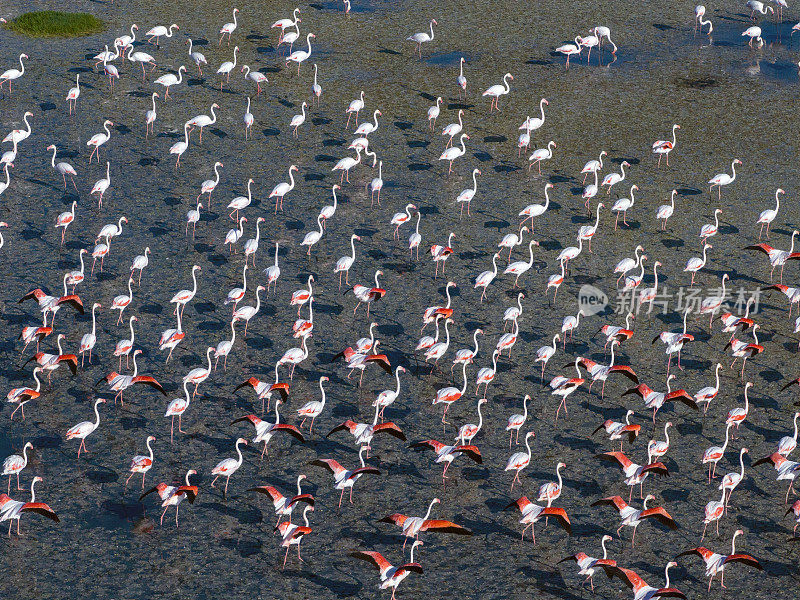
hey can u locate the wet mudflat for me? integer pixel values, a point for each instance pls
(731, 102)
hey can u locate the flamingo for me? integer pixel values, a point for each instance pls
(656, 448)
(329, 210)
(283, 188)
(298, 120)
(294, 356)
(617, 430)
(713, 454)
(622, 206)
(656, 400)
(708, 230)
(228, 28)
(119, 383)
(82, 430)
(533, 513)
(453, 129)
(665, 211)
(366, 127)
(420, 38)
(344, 263)
(316, 88)
(391, 576)
(519, 268)
(345, 478)
(520, 460)
(634, 474)
(228, 66)
(571, 49)
(732, 480)
(102, 185)
(695, 264)
(179, 148)
(494, 92)
(768, 216)
(545, 353)
(15, 464)
(240, 203)
(541, 154)
(536, 210)
(127, 40)
(266, 430)
(664, 147)
(512, 240)
(402, 217)
(516, 421)
(777, 258)
(73, 94)
(202, 121)
(169, 80)
(612, 179)
(587, 232)
(183, 297)
(228, 466)
(63, 168)
(251, 245)
(723, 178)
(64, 220)
(453, 152)
(716, 563)
(273, 272)
(142, 464)
(224, 348)
(787, 444)
(376, 185)
(142, 58)
(354, 107)
(98, 139)
(433, 113)
(461, 80)
(589, 565)
(300, 56)
(90, 339)
(292, 534)
(11, 510)
(19, 135)
(632, 517)
(388, 397)
(123, 347)
(486, 375)
(283, 505)
(173, 495)
(198, 57)
(449, 395)
(159, 30)
(10, 75)
(22, 395)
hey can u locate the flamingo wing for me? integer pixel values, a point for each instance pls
(659, 468)
(622, 460)
(349, 425)
(290, 429)
(148, 380)
(191, 492)
(390, 428)
(471, 451)
(661, 515)
(745, 559)
(561, 517)
(395, 518)
(427, 445)
(615, 501)
(443, 526)
(376, 558)
(363, 470)
(267, 490)
(41, 508)
(329, 463)
(251, 418)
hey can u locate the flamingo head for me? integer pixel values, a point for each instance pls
(324, 378)
(241, 441)
(100, 401)
(737, 161)
(36, 479)
(548, 186)
(260, 219)
(151, 438)
(137, 352)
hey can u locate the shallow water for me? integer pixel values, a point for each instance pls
(731, 101)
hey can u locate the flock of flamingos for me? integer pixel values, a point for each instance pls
(271, 390)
